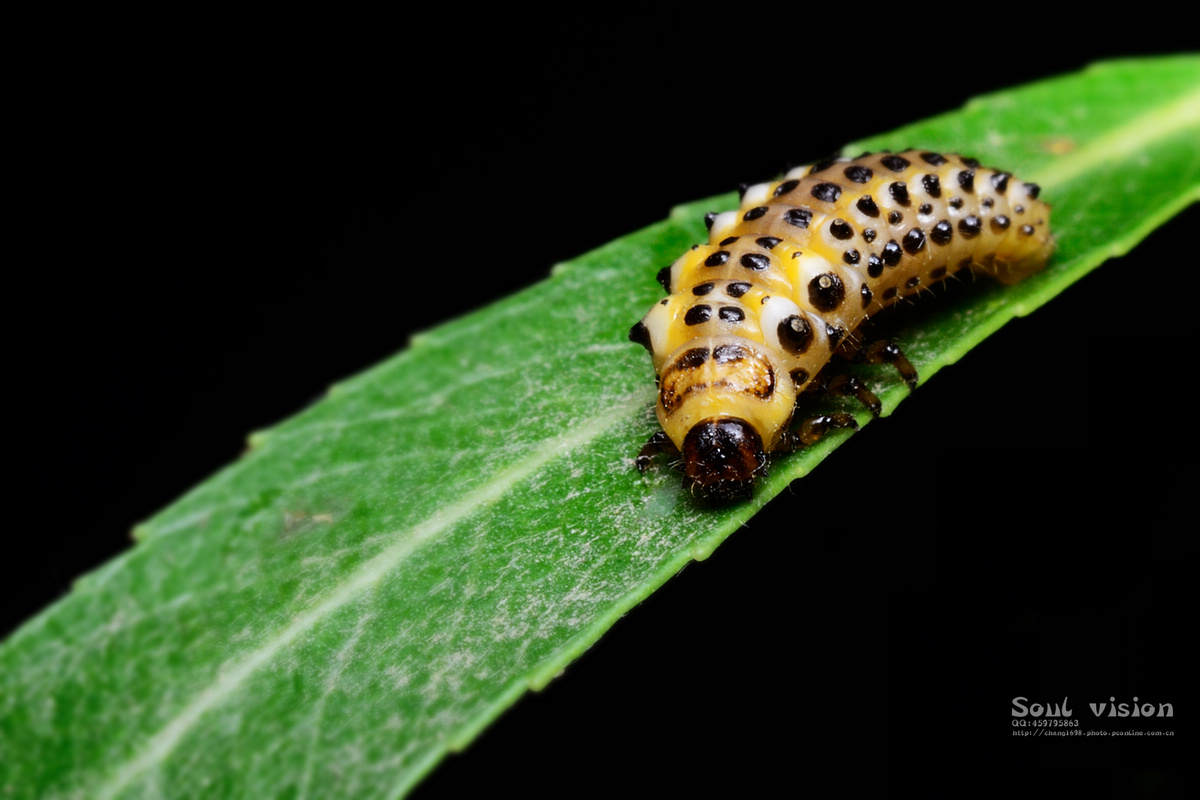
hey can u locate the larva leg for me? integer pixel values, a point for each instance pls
(658, 443)
(842, 385)
(848, 385)
(813, 428)
(886, 352)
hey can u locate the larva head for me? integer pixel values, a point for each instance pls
(722, 457)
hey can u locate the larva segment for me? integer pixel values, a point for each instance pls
(785, 281)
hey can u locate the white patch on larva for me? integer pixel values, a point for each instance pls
(721, 223)
(756, 195)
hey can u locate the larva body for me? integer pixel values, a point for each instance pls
(754, 317)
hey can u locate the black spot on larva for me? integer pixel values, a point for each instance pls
(698, 314)
(664, 301)
(640, 334)
(826, 292)
(795, 334)
(868, 235)
(1000, 223)
(835, 334)
(703, 289)
(925, 210)
(956, 202)
(895, 163)
(731, 314)
(858, 173)
(942, 233)
(914, 241)
(889, 293)
(821, 166)
(841, 229)
(767, 242)
(970, 226)
(755, 261)
(692, 358)
(799, 217)
(1000, 181)
(729, 353)
(866, 204)
(799, 376)
(866, 295)
(708, 219)
(899, 193)
(988, 202)
(1026, 230)
(913, 282)
(892, 253)
(728, 241)
(895, 217)
(931, 185)
(938, 273)
(874, 266)
(786, 187)
(827, 192)
(664, 278)
(966, 180)
(754, 213)
(850, 257)
(1034, 190)
(933, 159)
(742, 187)
(717, 259)
(971, 162)
(1019, 209)
(737, 288)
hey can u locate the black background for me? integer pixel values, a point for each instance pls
(208, 238)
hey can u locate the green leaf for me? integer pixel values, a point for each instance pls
(383, 574)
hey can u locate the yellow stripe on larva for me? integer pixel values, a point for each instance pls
(784, 281)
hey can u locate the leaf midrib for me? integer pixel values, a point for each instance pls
(232, 676)
(1122, 143)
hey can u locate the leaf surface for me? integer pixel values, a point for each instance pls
(383, 574)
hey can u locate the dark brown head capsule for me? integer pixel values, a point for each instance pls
(722, 456)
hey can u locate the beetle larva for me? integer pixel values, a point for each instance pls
(755, 316)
